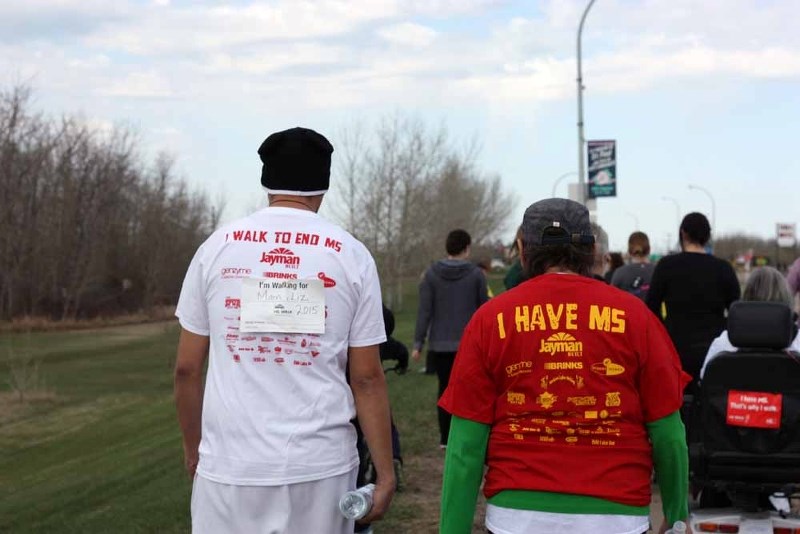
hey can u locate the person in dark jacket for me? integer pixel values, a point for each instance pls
(449, 293)
(696, 289)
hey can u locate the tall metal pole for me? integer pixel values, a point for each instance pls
(558, 181)
(677, 210)
(713, 205)
(635, 219)
(581, 139)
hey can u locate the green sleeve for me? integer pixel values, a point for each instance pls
(463, 472)
(671, 458)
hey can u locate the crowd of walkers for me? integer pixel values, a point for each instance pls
(561, 396)
(539, 478)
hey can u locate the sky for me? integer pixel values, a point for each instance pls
(695, 92)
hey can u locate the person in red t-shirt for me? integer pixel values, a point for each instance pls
(569, 390)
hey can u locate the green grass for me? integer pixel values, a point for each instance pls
(103, 454)
(101, 451)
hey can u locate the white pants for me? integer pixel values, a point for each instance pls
(304, 508)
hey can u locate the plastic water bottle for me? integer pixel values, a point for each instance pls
(357, 503)
(679, 527)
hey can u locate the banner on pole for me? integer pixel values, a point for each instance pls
(602, 168)
(786, 234)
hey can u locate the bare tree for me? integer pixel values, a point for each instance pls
(403, 187)
(84, 220)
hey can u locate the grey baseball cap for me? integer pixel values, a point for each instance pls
(557, 221)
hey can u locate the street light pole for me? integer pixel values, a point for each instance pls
(558, 181)
(713, 205)
(677, 209)
(581, 140)
(635, 219)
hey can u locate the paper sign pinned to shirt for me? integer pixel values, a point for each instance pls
(286, 306)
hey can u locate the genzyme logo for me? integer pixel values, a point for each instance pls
(519, 368)
(235, 272)
(560, 343)
(281, 256)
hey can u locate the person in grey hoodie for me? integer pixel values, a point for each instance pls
(451, 290)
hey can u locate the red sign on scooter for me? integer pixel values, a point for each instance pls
(753, 409)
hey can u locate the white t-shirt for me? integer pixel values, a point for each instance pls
(723, 344)
(511, 521)
(277, 407)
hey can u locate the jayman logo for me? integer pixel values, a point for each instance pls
(563, 343)
(281, 256)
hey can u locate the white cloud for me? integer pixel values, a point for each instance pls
(333, 54)
(408, 34)
(146, 84)
(200, 28)
(273, 58)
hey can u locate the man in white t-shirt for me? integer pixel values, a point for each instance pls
(283, 304)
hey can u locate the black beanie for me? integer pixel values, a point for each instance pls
(296, 162)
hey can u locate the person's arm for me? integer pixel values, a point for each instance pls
(192, 353)
(717, 346)
(368, 383)
(793, 277)
(732, 288)
(463, 472)
(671, 459)
(655, 295)
(483, 288)
(424, 313)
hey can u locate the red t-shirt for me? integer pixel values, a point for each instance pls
(567, 370)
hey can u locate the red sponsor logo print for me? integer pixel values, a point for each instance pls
(313, 344)
(235, 272)
(253, 236)
(246, 349)
(301, 363)
(248, 338)
(232, 304)
(278, 349)
(281, 256)
(267, 339)
(286, 340)
(232, 337)
(327, 281)
(236, 358)
(279, 360)
(281, 276)
(259, 359)
(314, 353)
(231, 348)
(263, 349)
(303, 343)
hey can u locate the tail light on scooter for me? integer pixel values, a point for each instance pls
(708, 526)
(717, 527)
